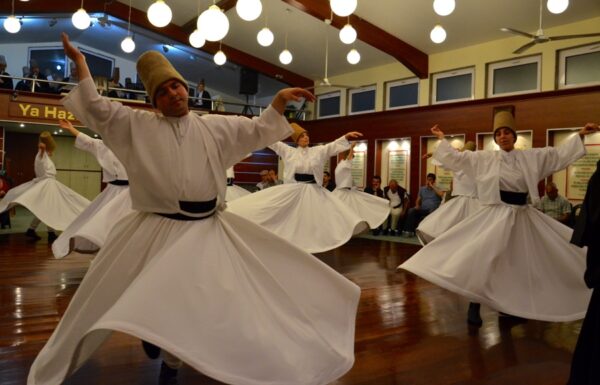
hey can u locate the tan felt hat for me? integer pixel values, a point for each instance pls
(154, 69)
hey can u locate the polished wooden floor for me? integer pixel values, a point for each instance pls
(409, 332)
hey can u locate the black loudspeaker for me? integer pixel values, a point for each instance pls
(248, 81)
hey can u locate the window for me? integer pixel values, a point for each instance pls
(402, 94)
(51, 61)
(513, 77)
(579, 67)
(328, 105)
(362, 100)
(452, 86)
(99, 65)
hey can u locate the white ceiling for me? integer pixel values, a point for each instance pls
(472, 22)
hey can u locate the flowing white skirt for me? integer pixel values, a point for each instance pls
(514, 259)
(90, 229)
(50, 201)
(370, 208)
(446, 216)
(305, 214)
(224, 295)
(234, 192)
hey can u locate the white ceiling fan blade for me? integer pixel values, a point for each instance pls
(517, 32)
(525, 47)
(563, 37)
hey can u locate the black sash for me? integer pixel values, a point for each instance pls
(513, 198)
(345, 188)
(119, 182)
(229, 181)
(307, 178)
(195, 208)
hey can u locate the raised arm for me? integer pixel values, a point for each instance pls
(68, 126)
(290, 94)
(451, 158)
(77, 57)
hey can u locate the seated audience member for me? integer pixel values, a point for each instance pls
(34, 73)
(327, 182)
(22, 85)
(114, 83)
(554, 205)
(265, 181)
(5, 83)
(429, 199)
(274, 178)
(375, 189)
(398, 199)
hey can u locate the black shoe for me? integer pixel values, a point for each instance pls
(30, 233)
(375, 232)
(52, 236)
(508, 320)
(473, 316)
(167, 376)
(152, 351)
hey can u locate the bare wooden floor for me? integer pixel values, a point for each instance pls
(409, 332)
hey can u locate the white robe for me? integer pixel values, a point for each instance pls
(306, 214)
(50, 201)
(463, 205)
(234, 192)
(512, 258)
(224, 295)
(372, 209)
(89, 230)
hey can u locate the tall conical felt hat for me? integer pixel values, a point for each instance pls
(154, 69)
(48, 140)
(504, 119)
(298, 130)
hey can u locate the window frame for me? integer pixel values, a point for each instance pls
(328, 95)
(352, 91)
(561, 58)
(447, 74)
(491, 67)
(401, 82)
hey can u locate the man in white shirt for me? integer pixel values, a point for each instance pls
(555, 205)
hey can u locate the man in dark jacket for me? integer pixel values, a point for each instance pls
(5, 83)
(375, 189)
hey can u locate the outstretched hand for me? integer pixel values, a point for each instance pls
(353, 135)
(290, 94)
(63, 123)
(435, 130)
(70, 50)
(589, 128)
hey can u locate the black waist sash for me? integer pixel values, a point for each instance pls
(229, 181)
(307, 178)
(345, 188)
(119, 182)
(195, 208)
(513, 198)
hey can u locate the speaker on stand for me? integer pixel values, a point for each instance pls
(248, 86)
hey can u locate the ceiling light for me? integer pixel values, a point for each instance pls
(220, 58)
(343, 8)
(265, 37)
(285, 57)
(12, 24)
(159, 14)
(196, 39)
(81, 19)
(444, 7)
(248, 9)
(128, 45)
(557, 6)
(438, 34)
(347, 34)
(213, 24)
(22, 125)
(58, 67)
(353, 56)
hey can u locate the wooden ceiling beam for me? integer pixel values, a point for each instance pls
(412, 58)
(172, 31)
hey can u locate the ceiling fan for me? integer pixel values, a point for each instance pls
(325, 81)
(539, 36)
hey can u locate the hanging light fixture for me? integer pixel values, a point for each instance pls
(557, 6)
(438, 34)
(343, 8)
(128, 45)
(248, 10)
(444, 7)
(348, 33)
(353, 56)
(265, 37)
(159, 14)
(196, 38)
(11, 23)
(285, 57)
(81, 19)
(213, 23)
(220, 57)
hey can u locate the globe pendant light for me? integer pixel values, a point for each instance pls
(248, 10)
(159, 14)
(11, 23)
(285, 57)
(196, 39)
(353, 56)
(128, 45)
(348, 34)
(438, 34)
(81, 19)
(444, 7)
(343, 8)
(220, 57)
(213, 24)
(557, 6)
(265, 37)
